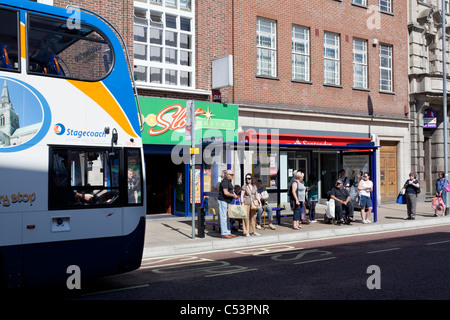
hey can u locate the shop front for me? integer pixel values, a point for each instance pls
(167, 145)
(273, 155)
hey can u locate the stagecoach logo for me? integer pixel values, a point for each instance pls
(59, 129)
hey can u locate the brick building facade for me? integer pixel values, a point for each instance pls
(322, 68)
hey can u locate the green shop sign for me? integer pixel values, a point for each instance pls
(165, 121)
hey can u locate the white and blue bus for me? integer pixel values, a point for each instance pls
(71, 160)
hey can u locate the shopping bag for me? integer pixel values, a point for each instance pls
(401, 199)
(329, 210)
(238, 211)
(437, 203)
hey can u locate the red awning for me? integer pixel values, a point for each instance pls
(299, 139)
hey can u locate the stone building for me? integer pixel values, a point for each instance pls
(426, 87)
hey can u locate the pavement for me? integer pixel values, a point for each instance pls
(169, 235)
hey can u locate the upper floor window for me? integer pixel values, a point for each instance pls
(385, 5)
(360, 2)
(164, 44)
(359, 63)
(386, 68)
(331, 58)
(183, 4)
(266, 47)
(9, 40)
(300, 53)
(54, 49)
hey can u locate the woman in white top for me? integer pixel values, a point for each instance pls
(365, 187)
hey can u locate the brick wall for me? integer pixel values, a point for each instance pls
(229, 27)
(215, 36)
(118, 12)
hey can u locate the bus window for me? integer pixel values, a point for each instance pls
(9, 39)
(134, 175)
(84, 177)
(80, 53)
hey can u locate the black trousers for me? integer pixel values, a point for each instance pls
(343, 211)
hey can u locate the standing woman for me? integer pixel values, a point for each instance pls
(298, 193)
(249, 193)
(365, 187)
(441, 184)
(411, 186)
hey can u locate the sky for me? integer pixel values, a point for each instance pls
(25, 103)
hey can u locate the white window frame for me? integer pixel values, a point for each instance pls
(266, 46)
(386, 79)
(385, 6)
(359, 63)
(172, 70)
(360, 2)
(300, 53)
(331, 56)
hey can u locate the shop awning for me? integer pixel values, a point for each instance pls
(307, 140)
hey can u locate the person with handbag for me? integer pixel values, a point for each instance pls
(297, 199)
(412, 188)
(249, 197)
(441, 184)
(264, 197)
(226, 195)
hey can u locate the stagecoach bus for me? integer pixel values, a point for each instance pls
(71, 160)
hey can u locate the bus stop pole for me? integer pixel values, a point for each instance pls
(444, 100)
(192, 152)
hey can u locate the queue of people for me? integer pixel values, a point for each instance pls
(306, 192)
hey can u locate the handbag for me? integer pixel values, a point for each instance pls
(447, 188)
(401, 199)
(307, 202)
(238, 210)
(254, 203)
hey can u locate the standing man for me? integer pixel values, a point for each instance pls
(226, 195)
